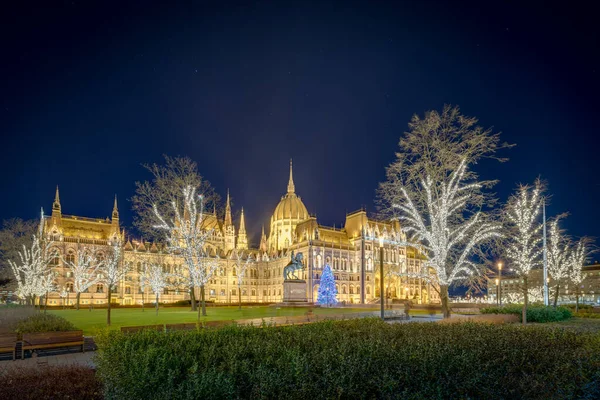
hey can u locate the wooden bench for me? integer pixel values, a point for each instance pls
(8, 344)
(191, 326)
(134, 329)
(52, 340)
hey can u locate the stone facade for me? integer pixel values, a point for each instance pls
(352, 252)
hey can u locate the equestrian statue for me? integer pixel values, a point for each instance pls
(295, 264)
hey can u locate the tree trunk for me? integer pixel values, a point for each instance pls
(240, 297)
(108, 309)
(577, 301)
(156, 303)
(193, 298)
(45, 302)
(525, 298)
(78, 297)
(556, 295)
(445, 301)
(203, 302)
(143, 299)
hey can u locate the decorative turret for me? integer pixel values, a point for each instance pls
(56, 210)
(115, 220)
(263, 240)
(228, 228)
(242, 242)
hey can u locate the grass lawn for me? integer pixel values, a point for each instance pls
(90, 321)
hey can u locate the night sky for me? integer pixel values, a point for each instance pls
(90, 90)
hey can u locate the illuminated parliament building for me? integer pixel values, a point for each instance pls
(351, 251)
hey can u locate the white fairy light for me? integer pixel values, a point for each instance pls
(85, 272)
(113, 270)
(187, 237)
(441, 234)
(156, 278)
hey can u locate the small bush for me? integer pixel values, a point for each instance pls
(65, 382)
(535, 313)
(365, 359)
(11, 315)
(586, 307)
(44, 323)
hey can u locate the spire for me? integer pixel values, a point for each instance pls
(263, 240)
(291, 187)
(228, 211)
(56, 204)
(242, 242)
(242, 223)
(115, 212)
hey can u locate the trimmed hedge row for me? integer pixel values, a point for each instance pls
(535, 313)
(352, 359)
(44, 323)
(587, 315)
(55, 382)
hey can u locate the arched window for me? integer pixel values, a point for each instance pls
(368, 290)
(69, 287)
(319, 262)
(54, 258)
(70, 257)
(369, 265)
(344, 289)
(253, 292)
(358, 290)
(351, 289)
(234, 271)
(368, 278)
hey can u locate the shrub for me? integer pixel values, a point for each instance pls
(64, 382)
(352, 359)
(586, 307)
(44, 323)
(11, 315)
(587, 315)
(535, 313)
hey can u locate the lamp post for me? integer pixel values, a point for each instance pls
(500, 282)
(497, 291)
(381, 286)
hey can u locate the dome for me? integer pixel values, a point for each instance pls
(290, 206)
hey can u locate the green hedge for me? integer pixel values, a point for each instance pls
(535, 313)
(352, 359)
(587, 315)
(44, 323)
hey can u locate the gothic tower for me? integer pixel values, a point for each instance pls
(242, 242)
(228, 227)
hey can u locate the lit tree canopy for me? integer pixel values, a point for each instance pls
(327, 294)
(524, 238)
(447, 241)
(187, 236)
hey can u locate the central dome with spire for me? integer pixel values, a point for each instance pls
(289, 212)
(290, 206)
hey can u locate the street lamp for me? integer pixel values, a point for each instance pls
(381, 277)
(497, 291)
(500, 279)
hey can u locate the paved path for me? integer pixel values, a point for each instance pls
(82, 359)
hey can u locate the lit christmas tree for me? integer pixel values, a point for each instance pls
(327, 291)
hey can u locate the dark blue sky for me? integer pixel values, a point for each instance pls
(90, 90)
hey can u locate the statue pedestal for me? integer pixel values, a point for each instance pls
(294, 291)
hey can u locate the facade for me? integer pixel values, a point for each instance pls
(589, 292)
(352, 252)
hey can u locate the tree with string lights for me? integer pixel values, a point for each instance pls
(558, 256)
(242, 268)
(442, 234)
(523, 234)
(84, 271)
(577, 260)
(327, 294)
(187, 237)
(431, 188)
(32, 270)
(113, 270)
(157, 279)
